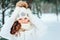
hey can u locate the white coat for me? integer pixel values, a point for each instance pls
(38, 30)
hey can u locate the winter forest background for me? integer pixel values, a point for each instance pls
(47, 10)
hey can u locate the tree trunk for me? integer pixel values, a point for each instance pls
(2, 12)
(57, 9)
(3, 16)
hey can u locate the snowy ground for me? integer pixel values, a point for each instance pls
(53, 32)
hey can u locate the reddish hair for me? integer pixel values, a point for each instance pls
(15, 27)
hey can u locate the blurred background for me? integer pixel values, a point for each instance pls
(47, 10)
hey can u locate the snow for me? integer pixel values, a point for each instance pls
(49, 17)
(7, 11)
(53, 32)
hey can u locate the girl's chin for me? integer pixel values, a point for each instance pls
(26, 26)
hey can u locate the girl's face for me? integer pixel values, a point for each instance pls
(23, 18)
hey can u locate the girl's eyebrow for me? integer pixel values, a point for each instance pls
(20, 19)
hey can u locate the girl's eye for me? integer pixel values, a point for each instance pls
(20, 19)
(25, 18)
(28, 20)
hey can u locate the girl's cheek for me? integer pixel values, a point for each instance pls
(20, 21)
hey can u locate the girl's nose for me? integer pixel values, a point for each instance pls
(26, 20)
